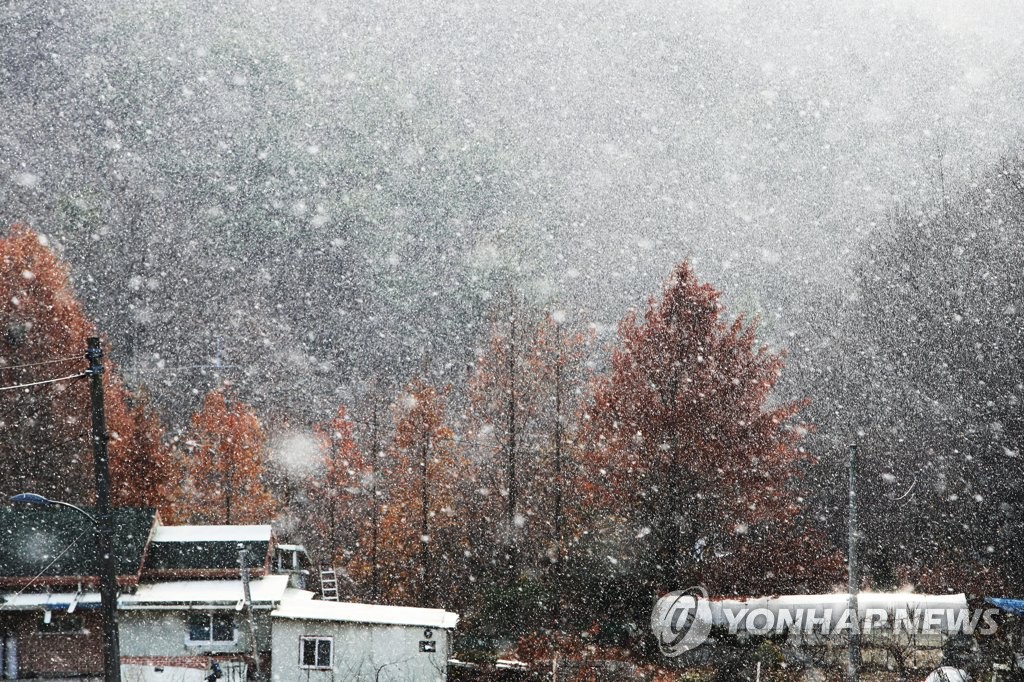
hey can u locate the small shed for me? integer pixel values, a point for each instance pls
(324, 640)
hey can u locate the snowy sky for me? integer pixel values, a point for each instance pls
(764, 140)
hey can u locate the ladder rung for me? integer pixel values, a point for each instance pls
(328, 584)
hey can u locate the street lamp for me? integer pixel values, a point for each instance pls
(102, 522)
(108, 594)
(33, 498)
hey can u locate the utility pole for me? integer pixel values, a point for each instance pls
(853, 572)
(104, 521)
(510, 463)
(243, 565)
(558, 487)
(374, 506)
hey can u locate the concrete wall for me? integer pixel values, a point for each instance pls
(360, 651)
(165, 633)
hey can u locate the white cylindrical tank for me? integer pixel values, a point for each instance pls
(10, 660)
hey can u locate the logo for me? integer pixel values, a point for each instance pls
(681, 620)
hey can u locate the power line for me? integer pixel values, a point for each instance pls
(186, 367)
(55, 559)
(40, 364)
(45, 381)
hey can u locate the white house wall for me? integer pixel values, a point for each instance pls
(165, 633)
(360, 652)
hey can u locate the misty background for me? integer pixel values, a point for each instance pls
(330, 193)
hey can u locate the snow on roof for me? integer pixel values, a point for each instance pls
(291, 548)
(53, 601)
(365, 613)
(865, 600)
(270, 589)
(212, 533)
(298, 595)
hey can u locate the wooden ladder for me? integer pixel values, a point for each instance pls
(328, 584)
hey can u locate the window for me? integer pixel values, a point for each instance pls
(315, 652)
(208, 628)
(62, 625)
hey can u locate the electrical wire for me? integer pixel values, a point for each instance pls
(40, 364)
(55, 559)
(185, 367)
(44, 381)
(907, 493)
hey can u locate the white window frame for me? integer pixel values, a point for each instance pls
(210, 642)
(316, 638)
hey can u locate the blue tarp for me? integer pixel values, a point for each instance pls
(1011, 606)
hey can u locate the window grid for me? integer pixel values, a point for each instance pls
(211, 628)
(315, 652)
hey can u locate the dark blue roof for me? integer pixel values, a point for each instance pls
(203, 555)
(56, 542)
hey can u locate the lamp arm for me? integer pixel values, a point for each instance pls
(77, 509)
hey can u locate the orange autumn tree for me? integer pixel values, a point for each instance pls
(45, 443)
(689, 461)
(524, 396)
(420, 546)
(366, 557)
(226, 472)
(145, 472)
(340, 495)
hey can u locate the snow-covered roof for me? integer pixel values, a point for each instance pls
(291, 548)
(365, 613)
(212, 533)
(840, 600)
(299, 595)
(270, 589)
(53, 601)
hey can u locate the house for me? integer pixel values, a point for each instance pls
(181, 598)
(189, 606)
(324, 640)
(183, 606)
(50, 622)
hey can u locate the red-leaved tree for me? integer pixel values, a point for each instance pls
(45, 443)
(340, 495)
(226, 471)
(420, 547)
(689, 461)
